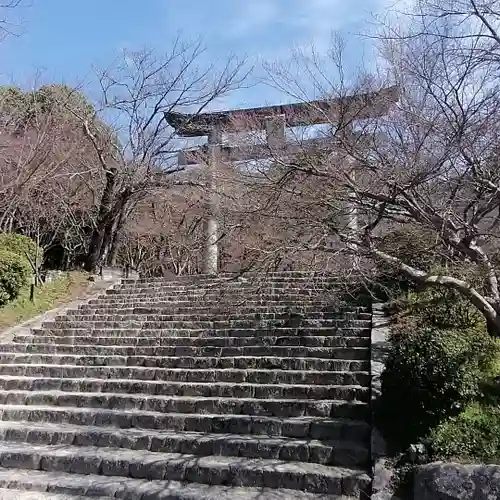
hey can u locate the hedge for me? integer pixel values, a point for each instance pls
(14, 275)
(431, 374)
(20, 245)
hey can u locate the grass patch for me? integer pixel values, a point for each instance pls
(63, 290)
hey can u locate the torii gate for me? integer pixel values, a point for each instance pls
(274, 120)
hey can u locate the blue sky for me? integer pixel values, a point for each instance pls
(63, 39)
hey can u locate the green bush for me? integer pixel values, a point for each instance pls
(472, 435)
(431, 374)
(14, 275)
(20, 245)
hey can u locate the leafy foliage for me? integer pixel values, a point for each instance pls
(431, 374)
(473, 435)
(21, 245)
(444, 308)
(14, 275)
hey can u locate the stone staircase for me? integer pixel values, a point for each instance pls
(202, 388)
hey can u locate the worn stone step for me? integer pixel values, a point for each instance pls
(234, 299)
(202, 389)
(205, 324)
(62, 331)
(254, 376)
(191, 404)
(261, 302)
(6, 494)
(251, 275)
(217, 302)
(232, 471)
(39, 343)
(230, 284)
(150, 363)
(326, 452)
(190, 308)
(340, 429)
(291, 289)
(287, 276)
(302, 359)
(222, 298)
(213, 316)
(110, 314)
(102, 487)
(122, 357)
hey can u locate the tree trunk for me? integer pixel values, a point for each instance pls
(95, 250)
(115, 242)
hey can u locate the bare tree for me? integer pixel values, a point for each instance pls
(136, 155)
(44, 178)
(7, 25)
(164, 235)
(429, 165)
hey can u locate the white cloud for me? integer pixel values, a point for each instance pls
(302, 22)
(271, 29)
(252, 16)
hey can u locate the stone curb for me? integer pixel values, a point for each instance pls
(381, 473)
(95, 289)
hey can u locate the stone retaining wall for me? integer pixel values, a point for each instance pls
(381, 472)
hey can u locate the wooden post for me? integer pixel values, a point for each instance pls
(211, 229)
(32, 289)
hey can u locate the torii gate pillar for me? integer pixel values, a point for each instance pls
(211, 223)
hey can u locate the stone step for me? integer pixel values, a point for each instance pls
(233, 299)
(229, 284)
(291, 359)
(221, 324)
(210, 314)
(254, 376)
(6, 494)
(62, 331)
(122, 357)
(339, 429)
(240, 363)
(288, 276)
(302, 287)
(213, 316)
(357, 410)
(250, 275)
(188, 308)
(269, 296)
(231, 471)
(187, 389)
(39, 343)
(104, 487)
(336, 453)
